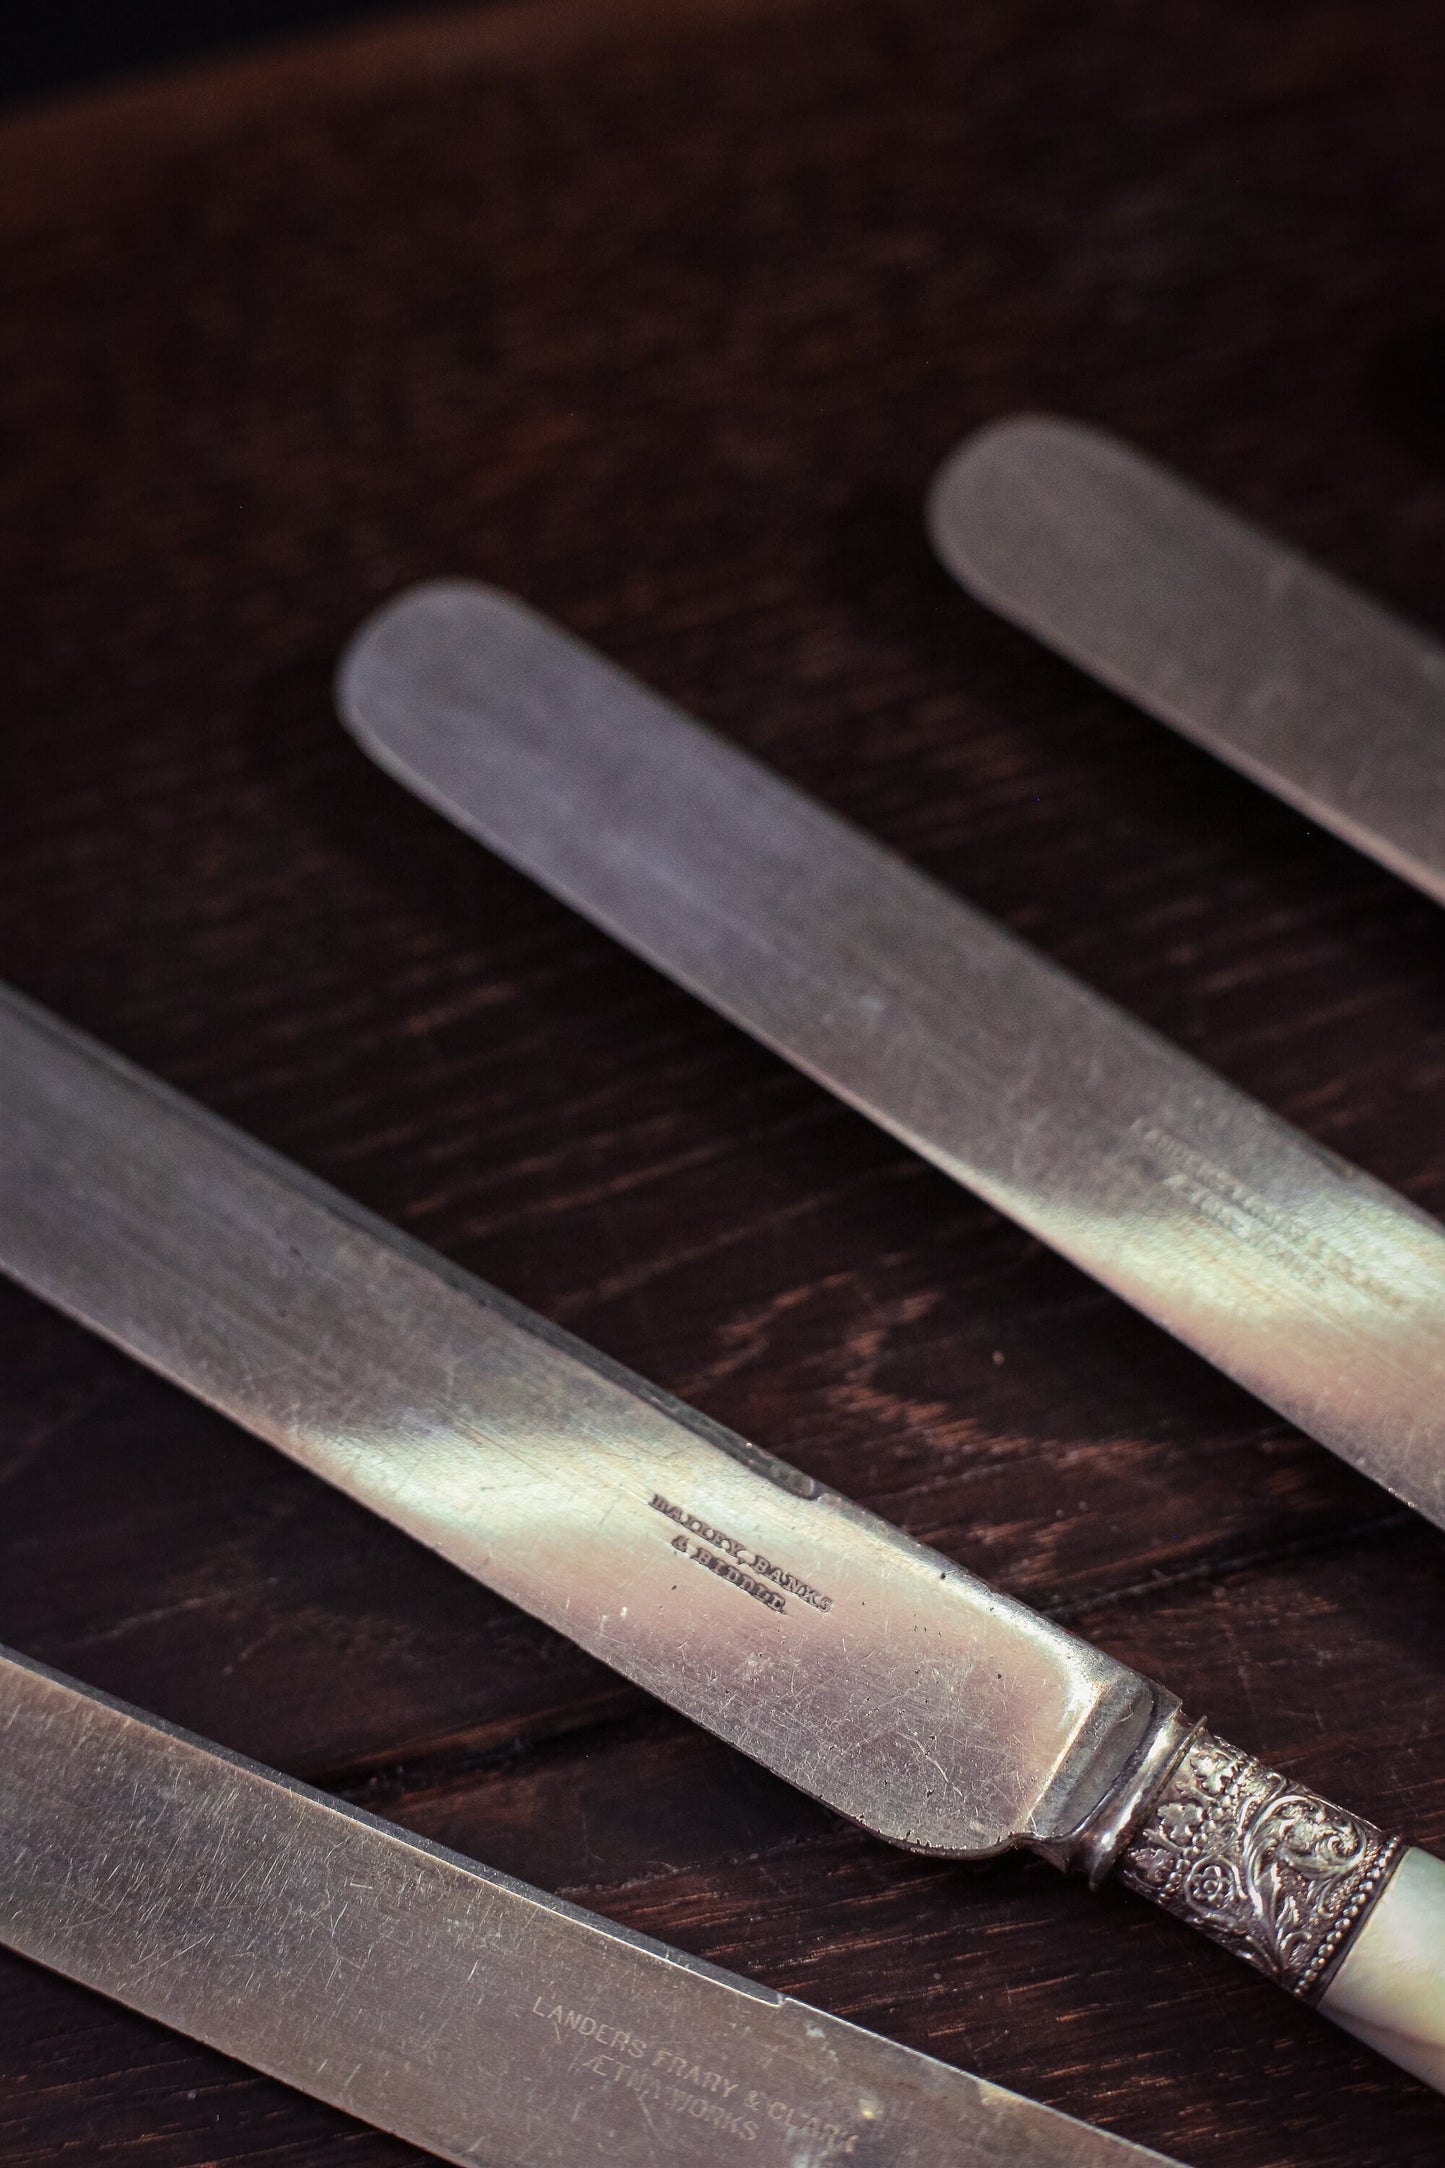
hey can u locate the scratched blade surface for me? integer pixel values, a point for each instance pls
(1211, 625)
(456, 2007)
(1315, 1286)
(869, 1671)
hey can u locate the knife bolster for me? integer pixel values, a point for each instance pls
(1267, 1868)
(1095, 1845)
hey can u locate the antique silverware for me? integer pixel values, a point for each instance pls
(1315, 1286)
(1210, 624)
(875, 1674)
(454, 2006)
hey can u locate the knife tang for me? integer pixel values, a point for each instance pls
(1311, 1284)
(1263, 658)
(451, 2005)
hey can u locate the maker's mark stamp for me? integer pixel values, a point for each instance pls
(732, 1560)
(663, 2074)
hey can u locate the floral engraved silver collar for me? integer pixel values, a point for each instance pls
(1275, 1873)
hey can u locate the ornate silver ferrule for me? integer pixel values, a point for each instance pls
(1270, 1870)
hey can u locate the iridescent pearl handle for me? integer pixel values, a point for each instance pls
(1323, 1902)
(1389, 1986)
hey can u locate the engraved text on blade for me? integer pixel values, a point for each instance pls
(738, 1562)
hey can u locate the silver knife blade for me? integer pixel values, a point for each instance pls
(1213, 626)
(1313, 1285)
(454, 2006)
(871, 1672)
(726, 1583)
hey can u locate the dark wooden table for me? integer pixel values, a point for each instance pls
(662, 318)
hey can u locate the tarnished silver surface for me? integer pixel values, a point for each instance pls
(1277, 1874)
(1316, 1287)
(871, 1672)
(1248, 648)
(459, 2008)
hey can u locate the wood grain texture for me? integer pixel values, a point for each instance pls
(670, 347)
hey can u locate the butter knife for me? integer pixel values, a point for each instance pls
(1316, 1287)
(873, 1673)
(453, 2006)
(1291, 675)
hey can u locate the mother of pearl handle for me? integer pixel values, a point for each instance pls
(1389, 1987)
(1322, 1901)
